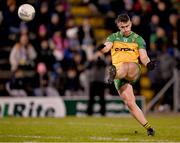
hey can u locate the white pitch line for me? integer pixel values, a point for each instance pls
(95, 138)
(28, 123)
(108, 138)
(31, 136)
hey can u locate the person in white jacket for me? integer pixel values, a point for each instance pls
(22, 53)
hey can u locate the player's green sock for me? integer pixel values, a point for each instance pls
(147, 126)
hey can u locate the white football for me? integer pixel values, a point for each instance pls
(26, 12)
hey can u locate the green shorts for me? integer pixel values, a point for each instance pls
(120, 82)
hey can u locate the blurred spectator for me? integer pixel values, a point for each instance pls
(172, 29)
(79, 59)
(73, 38)
(72, 85)
(42, 32)
(45, 54)
(54, 24)
(137, 27)
(158, 40)
(58, 78)
(97, 85)
(23, 29)
(17, 84)
(43, 13)
(154, 23)
(22, 54)
(41, 82)
(163, 11)
(12, 20)
(61, 7)
(59, 44)
(86, 33)
(87, 38)
(128, 4)
(72, 34)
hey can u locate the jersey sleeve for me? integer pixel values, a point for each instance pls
(141, 42)
(110, 38)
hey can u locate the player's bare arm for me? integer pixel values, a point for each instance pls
(106, 47)
(143, 56)
(146, 61)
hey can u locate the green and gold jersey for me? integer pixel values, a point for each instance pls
(125, 49)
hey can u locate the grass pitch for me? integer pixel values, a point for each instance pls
(88, 129)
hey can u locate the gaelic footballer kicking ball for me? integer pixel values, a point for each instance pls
(26, 12)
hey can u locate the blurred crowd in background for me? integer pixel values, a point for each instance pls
(53, 55)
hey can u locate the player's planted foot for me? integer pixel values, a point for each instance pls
(150, 132)
(111, 74)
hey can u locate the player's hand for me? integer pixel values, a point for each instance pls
(152, 64)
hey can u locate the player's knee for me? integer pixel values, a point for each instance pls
(133, 72)
(131, 79)
(121, 72)
(133, 75)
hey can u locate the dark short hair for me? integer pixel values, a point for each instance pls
(122, 18)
